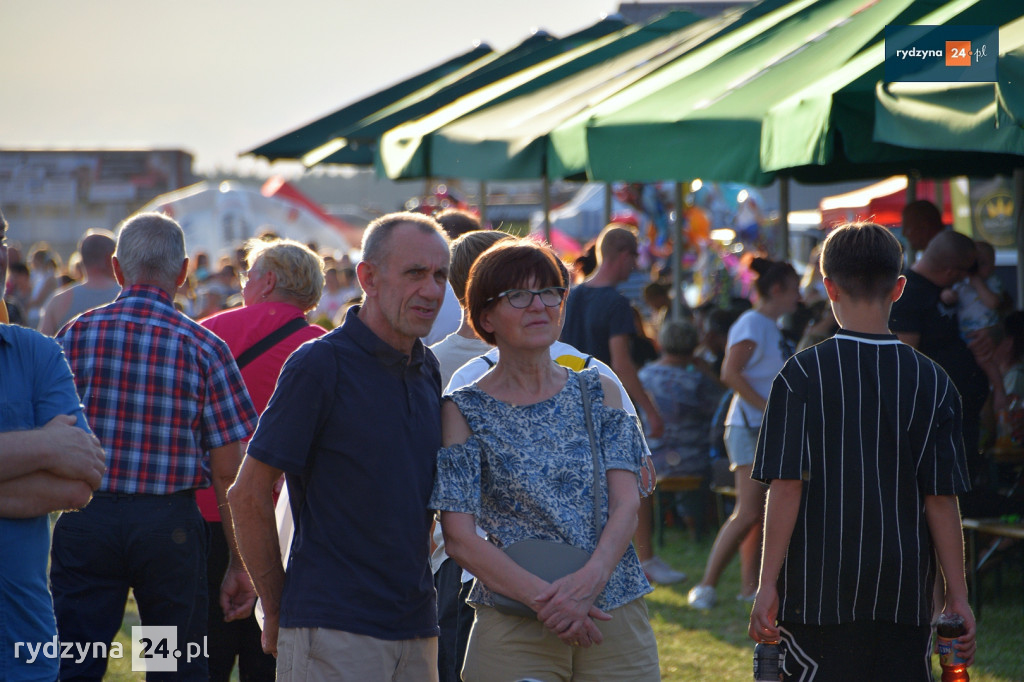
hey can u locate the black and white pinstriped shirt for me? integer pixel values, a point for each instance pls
(871, 426)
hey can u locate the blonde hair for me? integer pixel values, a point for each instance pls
(298, 269)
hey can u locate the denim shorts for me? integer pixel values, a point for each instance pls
(740, 443)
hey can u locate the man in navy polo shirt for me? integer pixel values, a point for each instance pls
(354, 424)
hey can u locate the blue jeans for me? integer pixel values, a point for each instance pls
(155, 544)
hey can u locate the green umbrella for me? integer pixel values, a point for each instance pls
(826, 130)
(406, 151)
(704, 120)
(294, 144)
(502, 132)
(349, 134)
(510, 139)
(356, 142)
(985, 117)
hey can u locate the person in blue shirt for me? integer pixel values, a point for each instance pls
(49, 461)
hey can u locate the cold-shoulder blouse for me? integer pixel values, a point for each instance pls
(527, 471)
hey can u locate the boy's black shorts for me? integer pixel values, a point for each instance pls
(865, 650)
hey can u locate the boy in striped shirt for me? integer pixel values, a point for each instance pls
(861, 445)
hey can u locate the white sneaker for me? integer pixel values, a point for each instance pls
(702, 597)
(748, 598)
(657, 571)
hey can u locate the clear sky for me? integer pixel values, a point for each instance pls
(218, 77)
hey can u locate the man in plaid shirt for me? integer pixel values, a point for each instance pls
(166, 400)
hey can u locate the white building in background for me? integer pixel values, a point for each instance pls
(218, 217)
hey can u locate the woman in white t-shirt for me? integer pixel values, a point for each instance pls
(755, 353)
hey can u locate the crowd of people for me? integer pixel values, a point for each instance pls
(466, 387)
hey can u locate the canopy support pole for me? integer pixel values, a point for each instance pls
(784, 216)
(1018, 209)
(483, 204)
(607, 202)
(677, 254)
(547, 209)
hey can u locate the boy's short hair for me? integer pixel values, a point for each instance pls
(863, 259)
(465, 250)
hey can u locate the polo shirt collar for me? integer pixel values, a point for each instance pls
(148, 292)
(384, 352)
(6, 333)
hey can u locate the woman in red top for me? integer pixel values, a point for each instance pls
(283, 283)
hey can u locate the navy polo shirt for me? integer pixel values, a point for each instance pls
(356, 425)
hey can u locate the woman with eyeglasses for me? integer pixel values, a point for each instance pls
(517, 461)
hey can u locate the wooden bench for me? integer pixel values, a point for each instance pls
(994, 527)
(721, 492)
(671, 485)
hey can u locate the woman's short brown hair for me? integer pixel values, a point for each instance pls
(509, 264)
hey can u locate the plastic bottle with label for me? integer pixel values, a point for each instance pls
(949, 627)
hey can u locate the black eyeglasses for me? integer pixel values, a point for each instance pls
(522, 298)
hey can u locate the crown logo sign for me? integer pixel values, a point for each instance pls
(999, 207)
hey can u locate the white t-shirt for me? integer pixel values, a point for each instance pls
(455, 351)
(449, 318)
(330, 302)
(769, 355)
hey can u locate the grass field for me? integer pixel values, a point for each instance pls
(713, 645)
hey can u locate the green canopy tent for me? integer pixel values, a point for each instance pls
(680, 123)
(979, 120)
(981, 117)
(507, 138)
(406, 150)
(325, 138)
(295, 144)
(826, 130)
(364, 133)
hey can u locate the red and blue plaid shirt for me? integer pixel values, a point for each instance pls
(159, 391)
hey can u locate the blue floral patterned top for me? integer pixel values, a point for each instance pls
(527, 472)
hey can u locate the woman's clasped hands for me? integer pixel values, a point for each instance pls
(567, 608)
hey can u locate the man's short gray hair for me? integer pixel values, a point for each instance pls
(377, 234)
(151, 248)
